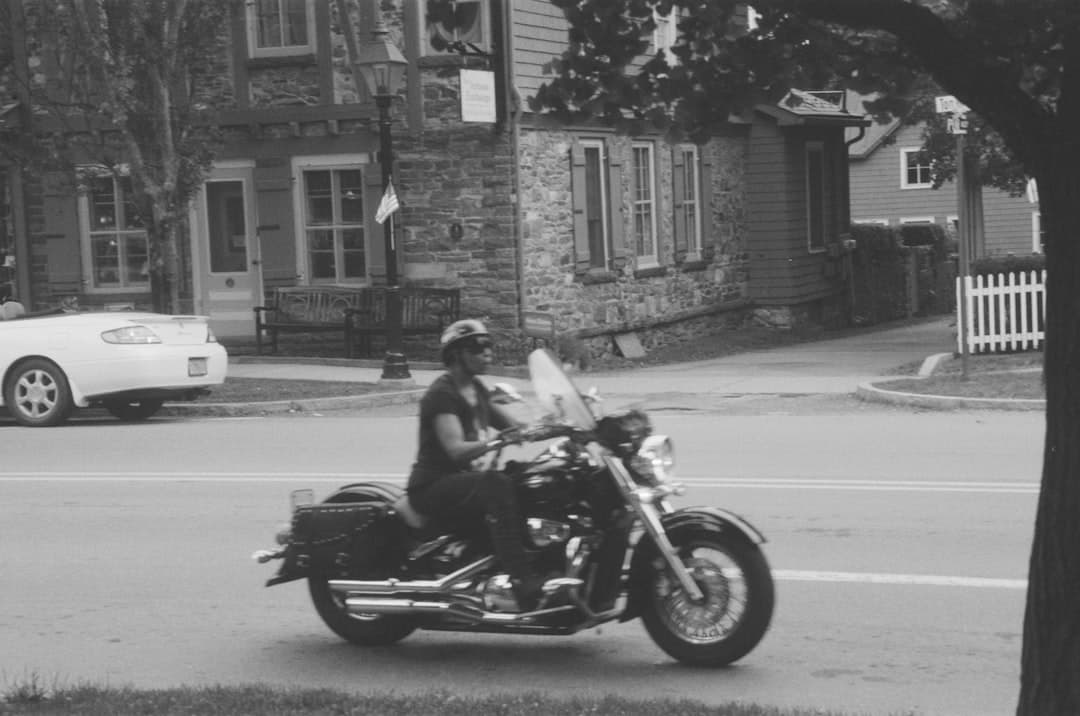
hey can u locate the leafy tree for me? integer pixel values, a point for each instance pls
(133, 91)
(1015, 63)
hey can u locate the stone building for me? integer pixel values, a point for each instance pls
(599, 234)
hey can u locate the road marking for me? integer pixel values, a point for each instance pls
(925, 580)
(762, 483)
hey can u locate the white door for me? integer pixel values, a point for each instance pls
(229, 280)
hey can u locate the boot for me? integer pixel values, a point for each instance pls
(509, 550)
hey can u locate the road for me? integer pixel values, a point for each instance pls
(899, 541)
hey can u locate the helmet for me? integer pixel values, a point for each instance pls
(460, 330)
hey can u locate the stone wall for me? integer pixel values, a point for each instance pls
(644, 302)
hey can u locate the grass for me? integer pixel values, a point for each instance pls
(1016, 376)
(267, 701)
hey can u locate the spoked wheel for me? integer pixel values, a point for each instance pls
(133, 409)
(360, 629)
(734, 612)
(37, 394)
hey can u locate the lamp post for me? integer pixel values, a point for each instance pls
(382, 66)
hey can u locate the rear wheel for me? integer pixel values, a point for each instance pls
(37, 393)
(360, 629)
(133, 409)
(736, 608)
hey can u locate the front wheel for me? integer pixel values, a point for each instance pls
(363, 630)
(736, 608)
(37, 394)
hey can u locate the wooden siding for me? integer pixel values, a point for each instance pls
(540, 35)
(782, 269)
(876, 194)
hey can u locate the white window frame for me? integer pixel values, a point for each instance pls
(696, 233)
(329, 162)
(1036, 232)
(86, 236)
(255, 51)
(875, 222)
(600, 146)
(646, 204)
(917, 220)
(905, 163)
(485, 29)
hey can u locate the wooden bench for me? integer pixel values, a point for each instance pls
(305, 309)
(424, 310)
(358, 312)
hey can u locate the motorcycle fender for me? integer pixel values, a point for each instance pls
(710, 519)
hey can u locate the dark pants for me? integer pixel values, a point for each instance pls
(463, 501)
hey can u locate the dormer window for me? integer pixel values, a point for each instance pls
(280, 28)
(468, 31)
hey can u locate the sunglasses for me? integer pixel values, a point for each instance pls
(477, 345)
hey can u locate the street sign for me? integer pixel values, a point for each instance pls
(947, 104)
(957, 123)
(538, 325)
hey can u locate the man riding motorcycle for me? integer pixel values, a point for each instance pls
(456, 413)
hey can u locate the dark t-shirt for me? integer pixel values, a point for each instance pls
(441, 398)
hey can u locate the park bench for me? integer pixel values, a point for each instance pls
(305, 309)
(358, 312)
(425, 310)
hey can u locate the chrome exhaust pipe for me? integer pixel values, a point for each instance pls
(375, 605)
(412, 586)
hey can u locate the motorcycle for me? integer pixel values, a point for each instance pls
(598, 523)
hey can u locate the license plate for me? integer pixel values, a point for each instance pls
(196, 367)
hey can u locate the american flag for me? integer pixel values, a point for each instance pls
(388, 204)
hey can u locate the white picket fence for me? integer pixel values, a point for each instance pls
(1003, 312)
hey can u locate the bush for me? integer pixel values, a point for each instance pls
(923, 235)
(990, 265)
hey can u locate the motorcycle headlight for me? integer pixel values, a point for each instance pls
(656, 458)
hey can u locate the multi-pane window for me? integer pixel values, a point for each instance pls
(914, 169)
(816, 196)
(467, 28)
(117, 247)
(644, 204)
(280, 27)
(334, 225)
(688, 201)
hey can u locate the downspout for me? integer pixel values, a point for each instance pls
(514, 117)
(18, 174)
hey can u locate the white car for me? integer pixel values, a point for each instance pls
(127, 362)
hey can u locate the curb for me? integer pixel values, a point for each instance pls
(870, 392)
(279, 407)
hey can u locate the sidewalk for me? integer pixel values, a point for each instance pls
(831, 366)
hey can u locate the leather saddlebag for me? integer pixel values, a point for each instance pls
(337, 540)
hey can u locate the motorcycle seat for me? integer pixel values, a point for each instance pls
(408, 514)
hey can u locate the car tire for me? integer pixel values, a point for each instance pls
(37, 394)
(132, 410)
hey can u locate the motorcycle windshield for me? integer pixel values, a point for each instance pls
(556, 392)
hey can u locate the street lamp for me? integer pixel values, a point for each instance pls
(382, 66)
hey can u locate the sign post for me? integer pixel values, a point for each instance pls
(957, 125)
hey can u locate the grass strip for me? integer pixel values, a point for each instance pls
(267, 701)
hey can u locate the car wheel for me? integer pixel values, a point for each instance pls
(37, 394)
(133, 409)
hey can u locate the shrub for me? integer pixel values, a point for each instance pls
(1010, 263)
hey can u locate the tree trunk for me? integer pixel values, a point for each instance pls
(1050, 663)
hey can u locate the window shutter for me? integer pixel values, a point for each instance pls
(678, 195)
(580, 202)
(376, 243)
(707, 202)
(618, 222)
(273, 202)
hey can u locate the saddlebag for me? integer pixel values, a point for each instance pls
(338, 540)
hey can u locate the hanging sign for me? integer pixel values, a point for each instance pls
(477, 96)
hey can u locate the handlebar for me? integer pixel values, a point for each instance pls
(546, 431)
